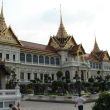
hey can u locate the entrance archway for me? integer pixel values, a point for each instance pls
(67, 76)
(82, 75)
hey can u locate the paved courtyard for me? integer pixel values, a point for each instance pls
(29, 105)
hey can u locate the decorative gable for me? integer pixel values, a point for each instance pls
(106, 57)
(70, 42)
(8, 37)
(53, 43)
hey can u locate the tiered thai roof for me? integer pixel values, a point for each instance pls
(61, 38)
(74, 50)
(63, 41)
(97, 54)
(7, 35)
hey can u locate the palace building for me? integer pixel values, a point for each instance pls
(33, 60)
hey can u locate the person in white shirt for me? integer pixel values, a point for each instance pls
(79, 101)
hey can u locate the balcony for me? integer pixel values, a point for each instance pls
(9, 97)
(76, 63)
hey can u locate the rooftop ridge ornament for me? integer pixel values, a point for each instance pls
(1, 14)
(61, 31)
(96, 47)
(3, 25)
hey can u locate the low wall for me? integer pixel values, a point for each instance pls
(63, 99)
(9, 97)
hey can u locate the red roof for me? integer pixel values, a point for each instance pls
(36, 46)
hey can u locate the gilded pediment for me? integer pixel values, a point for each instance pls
(106, 57)
(8, 37)
(70, 43)
(53, 43)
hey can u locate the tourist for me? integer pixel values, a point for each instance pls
(12, 107)
(18, 106)
(79, 101)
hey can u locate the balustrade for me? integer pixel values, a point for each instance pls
(9, 97)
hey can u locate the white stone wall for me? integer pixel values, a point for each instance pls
(4, 49)
(68, 63)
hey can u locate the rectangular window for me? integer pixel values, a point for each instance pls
(22, 75)
(35, 75)
(93, 65)
(1, 104)
(29, 76)
(100, 66)
(97, 65)
(7, 57)
(0, 55)
(52, 76)
(13, 57)
(41, 76)
(57, 61)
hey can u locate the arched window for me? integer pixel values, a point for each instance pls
(41, 59)
(82, 75)
(35, 59)
(52, 61)
(57, 61)
(94, 65)
(28, 58)
(22, 57)
(67, 76)
(46, 60)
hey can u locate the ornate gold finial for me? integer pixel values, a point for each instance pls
(61, 22)
(96, 47)
(61, 31)
(1, 14)
(3, 26)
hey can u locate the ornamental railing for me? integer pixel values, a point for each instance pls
(76, 63)
(9, 97)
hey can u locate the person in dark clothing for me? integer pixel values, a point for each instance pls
(12, 107)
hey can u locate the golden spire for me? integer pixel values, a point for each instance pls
(96, 47)
(2, 21)
(1, 14)
(61, 31)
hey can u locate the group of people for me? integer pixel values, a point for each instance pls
(13, 107)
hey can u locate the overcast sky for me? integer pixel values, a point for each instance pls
(37, 20)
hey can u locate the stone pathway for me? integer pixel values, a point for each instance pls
(32, 105)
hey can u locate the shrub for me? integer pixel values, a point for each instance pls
(103, 102)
